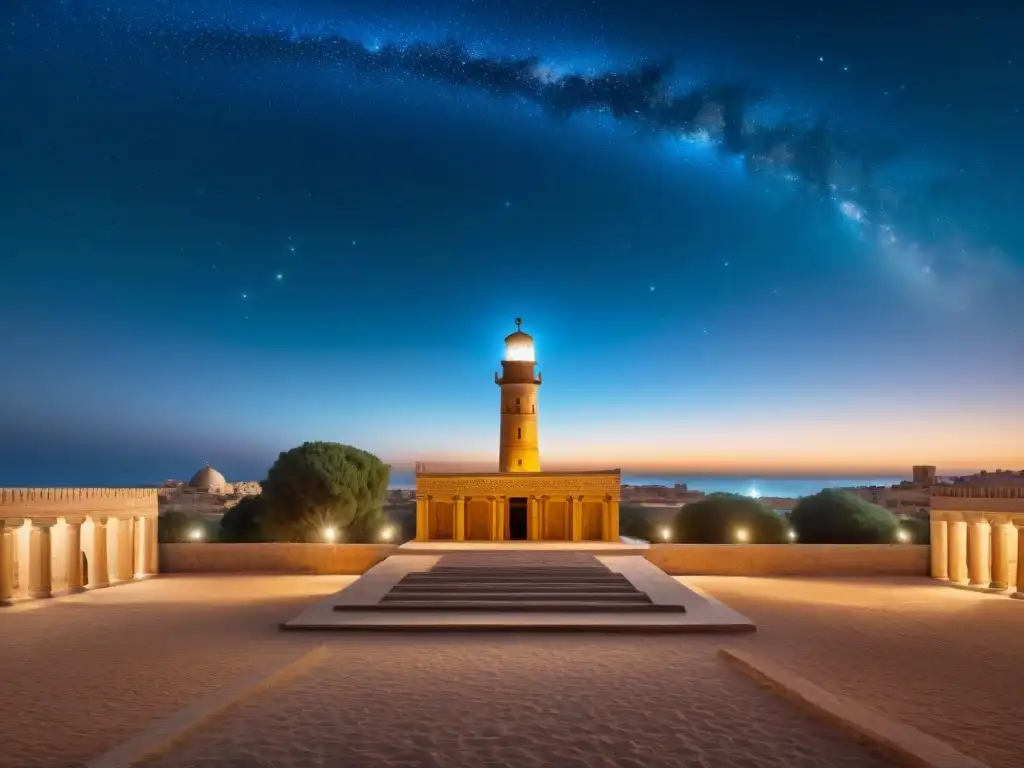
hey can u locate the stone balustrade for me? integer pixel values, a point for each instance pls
(66, 540)
(979, 548)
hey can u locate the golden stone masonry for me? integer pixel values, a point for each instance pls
(519, 502)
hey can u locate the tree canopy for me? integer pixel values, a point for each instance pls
(724, 518)
(241, 523)
(833, 516)
(320, 485)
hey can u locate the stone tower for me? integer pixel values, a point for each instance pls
(519, 450)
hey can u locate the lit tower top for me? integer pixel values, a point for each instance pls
(519, 449)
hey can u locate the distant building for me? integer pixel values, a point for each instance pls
(208, 493)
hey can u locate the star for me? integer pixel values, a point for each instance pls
(821, 58)
(245, 295)
(652, 289)
(508, 204)
(291, 248)
(279, 276)
(353, 242)
(727, 263)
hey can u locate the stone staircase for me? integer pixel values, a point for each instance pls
(517, 582)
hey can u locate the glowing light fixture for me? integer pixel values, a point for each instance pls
(387, 533)
(754, 493)
(903, 536)
(519, 346)
(330, 534)
(791, 534)
(666, 533)
(197, 534)
(742, 535)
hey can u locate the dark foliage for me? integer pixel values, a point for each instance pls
(840, 517)
(320, 485)
(717, 518)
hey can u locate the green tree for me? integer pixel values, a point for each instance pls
(241, 523)
(833, 516)
(324, 485)
(725, 518)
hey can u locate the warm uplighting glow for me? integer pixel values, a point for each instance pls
(791, 534)
(742, 535)
(666, 533)
(330, 533)
(387, 533)
(197, 534)
(903, 536)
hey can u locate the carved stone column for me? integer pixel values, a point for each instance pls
(145, 532)
(500, 513)
(532, 523)
(460, 518)
(1019, 594)
(978, 533)
(154, 545)
(40, 560)
(8, 542)
(542, 518)
(99, 570)
(73, 553)
(495, 531)
(125, 571)
(422, 519)
(1000, 553)
(939, 550)
(956, 531)
(612, 534)
(606, 516)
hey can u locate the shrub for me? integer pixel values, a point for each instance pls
(179, 528)
(635, 523)
(920, 531)
(717, 518)
(840, 517)
(320, 485)
(241, 523)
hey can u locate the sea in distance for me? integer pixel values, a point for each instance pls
(780, 487)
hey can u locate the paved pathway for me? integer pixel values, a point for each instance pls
(947, 661)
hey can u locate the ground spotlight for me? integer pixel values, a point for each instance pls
(330, 534)
(742, 535)
(197, 534)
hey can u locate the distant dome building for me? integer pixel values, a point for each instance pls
(207, 478)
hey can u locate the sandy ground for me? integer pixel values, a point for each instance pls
(947, 661)
(518, 701)
(79, 675)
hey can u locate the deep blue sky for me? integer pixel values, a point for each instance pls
(228, 227)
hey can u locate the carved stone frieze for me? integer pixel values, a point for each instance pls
(60, 502)
(516, 484)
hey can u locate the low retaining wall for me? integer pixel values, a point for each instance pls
(791, 559)
(676, 559)
(272, 558)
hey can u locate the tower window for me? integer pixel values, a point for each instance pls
(518, 407)
(519, 433)
(535, 409)
(520, 462)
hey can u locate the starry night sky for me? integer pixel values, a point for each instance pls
(746, 236)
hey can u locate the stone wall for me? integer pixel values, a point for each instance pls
(676, 559)
(791, 559)
(272, 558)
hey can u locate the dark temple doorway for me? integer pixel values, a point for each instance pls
(517, 519)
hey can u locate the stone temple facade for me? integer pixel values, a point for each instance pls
(207, 494)
(519, 502)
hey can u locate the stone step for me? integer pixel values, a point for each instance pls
(608, 578)
(520, 569)
(517, 606)
(583, 597)
(477, 586)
